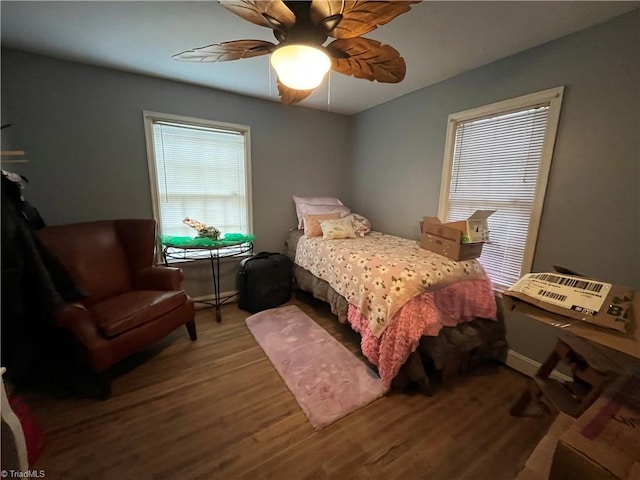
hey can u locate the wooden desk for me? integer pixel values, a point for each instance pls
(628, 343)
(591, 372)
(594, 363)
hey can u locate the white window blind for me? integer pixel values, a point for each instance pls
(201, 172)
(495, 164)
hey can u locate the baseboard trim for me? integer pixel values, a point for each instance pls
(529, 367)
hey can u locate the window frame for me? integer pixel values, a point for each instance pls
(150, 118)
(551, 97)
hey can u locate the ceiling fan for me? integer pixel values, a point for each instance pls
(300, 58)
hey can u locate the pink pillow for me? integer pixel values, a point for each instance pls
(312, 201)
(312, 223)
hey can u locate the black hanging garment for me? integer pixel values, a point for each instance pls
(264, 281)
(34, 285)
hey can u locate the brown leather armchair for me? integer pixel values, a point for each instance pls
(129, 303)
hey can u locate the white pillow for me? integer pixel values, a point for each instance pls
(312, 201)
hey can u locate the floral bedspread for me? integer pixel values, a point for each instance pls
(379, 273)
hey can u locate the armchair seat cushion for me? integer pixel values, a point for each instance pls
(129, 310)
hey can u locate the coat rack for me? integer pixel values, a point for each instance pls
(13, 156)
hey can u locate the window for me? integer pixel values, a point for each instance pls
(198, 169)
(498, 157)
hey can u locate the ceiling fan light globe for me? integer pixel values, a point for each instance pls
(300, 66)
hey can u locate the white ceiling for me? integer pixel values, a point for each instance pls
(437, 39)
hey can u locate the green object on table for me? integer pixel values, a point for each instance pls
(186, 242)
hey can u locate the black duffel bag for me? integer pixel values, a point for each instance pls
(264, 281)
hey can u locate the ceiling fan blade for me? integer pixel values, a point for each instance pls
(271, 14)
(358, 16)
(223, 52)
(321, 9)
(291, 96)
(368, 59)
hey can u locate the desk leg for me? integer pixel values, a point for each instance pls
(215, 273)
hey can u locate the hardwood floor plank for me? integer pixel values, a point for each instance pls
(217, 408)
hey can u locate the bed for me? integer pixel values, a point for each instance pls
(421, 316)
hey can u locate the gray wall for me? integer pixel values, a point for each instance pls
(591, 218)
(82, 130)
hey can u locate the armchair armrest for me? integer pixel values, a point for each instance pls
(76, 318)
(159, 278)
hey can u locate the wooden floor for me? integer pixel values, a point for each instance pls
(217, 408)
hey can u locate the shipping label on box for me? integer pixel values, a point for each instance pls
(583, 299)
(583, 296)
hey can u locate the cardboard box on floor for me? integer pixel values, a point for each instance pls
(460, 240)
(539, 462)
(604, 443)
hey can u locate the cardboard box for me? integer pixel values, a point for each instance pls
(587, 300)
(604, 443)
(451, 248)
(460, 240)
(539, 462)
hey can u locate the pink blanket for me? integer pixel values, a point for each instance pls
(425, 314)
